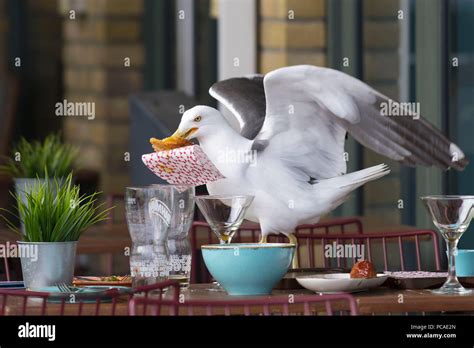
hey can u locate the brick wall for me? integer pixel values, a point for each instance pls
(96, 45)
(38, 47)
(41, 68)
(381, 33)
(291, 32)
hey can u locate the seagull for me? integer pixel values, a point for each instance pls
(289, 149)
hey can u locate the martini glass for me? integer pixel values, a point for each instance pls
(224, 213)
(451, 215)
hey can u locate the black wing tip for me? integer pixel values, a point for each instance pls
(250, 77)
(459, 165)
(229, 85)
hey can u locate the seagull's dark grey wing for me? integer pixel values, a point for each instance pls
(245, 98)
(318, 105)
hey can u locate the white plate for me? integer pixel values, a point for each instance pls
(339, 282)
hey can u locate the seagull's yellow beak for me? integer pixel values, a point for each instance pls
(178, 139)
(183, 134)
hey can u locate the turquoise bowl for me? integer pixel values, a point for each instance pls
(248, 268)
(465, 263)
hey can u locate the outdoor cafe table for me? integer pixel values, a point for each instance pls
(113, 238)
(381, 301)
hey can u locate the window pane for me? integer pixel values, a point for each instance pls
(461, 98)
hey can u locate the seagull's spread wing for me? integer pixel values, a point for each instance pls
(245, 98)
(309, 109)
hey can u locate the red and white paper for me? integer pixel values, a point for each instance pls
(187, 165)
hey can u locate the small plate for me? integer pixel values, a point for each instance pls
(289, 280)
(422, 280)
(87, 293)
(105, 281)
(12, 285)
(339, 282)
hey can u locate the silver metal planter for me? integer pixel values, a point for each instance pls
(46, 264)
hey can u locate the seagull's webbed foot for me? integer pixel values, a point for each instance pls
(263, 239)
(294, 240)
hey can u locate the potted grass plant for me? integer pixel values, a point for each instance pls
(32, 160)
(54, 215)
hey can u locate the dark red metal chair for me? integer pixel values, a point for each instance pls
(156, 292)
(7, 268)
(373, 242)
(112, 200)
(201, 233)
(40, 303)
(23, 302)
(250, 232)
(23, 297)
(338, 304)
(158, 288)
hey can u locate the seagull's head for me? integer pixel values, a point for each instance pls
(198, 122)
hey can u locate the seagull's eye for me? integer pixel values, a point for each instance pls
(197, 118)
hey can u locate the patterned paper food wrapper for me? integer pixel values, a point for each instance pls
(187, 165)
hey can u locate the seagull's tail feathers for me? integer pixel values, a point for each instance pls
(355, 179)
(337, 189)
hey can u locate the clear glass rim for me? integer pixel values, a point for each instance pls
(210, 197)
(136, 187)
(446, 197)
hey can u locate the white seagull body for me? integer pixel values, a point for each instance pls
(289, 152)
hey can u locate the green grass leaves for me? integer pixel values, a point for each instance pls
(54, 211)
(35, 159)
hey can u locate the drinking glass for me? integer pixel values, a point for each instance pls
(159, 218)
(180, 200)
(224, 213)
(142, 258)
(451, 215)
